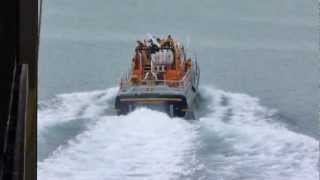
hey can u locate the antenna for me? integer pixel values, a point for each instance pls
(188, 41)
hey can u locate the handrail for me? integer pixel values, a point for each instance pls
(181, 84)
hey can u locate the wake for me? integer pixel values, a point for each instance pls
(235, 139)
(249, 142)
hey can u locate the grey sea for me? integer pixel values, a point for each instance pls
(258, 115)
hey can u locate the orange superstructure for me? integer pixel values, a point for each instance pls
(160, 60)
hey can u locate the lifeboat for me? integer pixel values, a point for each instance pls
(161, 77)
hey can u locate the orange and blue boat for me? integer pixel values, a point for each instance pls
(161, 77)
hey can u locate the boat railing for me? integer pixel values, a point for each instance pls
(182, 84)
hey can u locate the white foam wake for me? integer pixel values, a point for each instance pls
(256, 146)
(66, 115)
(68, 107)
(236, 139)
(142, 145)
